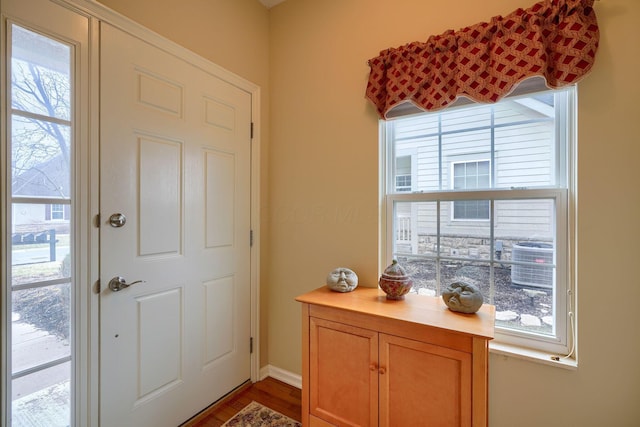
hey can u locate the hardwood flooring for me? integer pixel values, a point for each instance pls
(270, 392)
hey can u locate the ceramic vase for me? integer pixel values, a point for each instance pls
(395, 281)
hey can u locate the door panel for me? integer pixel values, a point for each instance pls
(175, 161)
(424, 384)
(160, 196)
(343, 380)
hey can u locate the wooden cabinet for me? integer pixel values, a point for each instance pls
(368, 361)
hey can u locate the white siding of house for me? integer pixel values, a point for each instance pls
(27, 216)
(523, 157)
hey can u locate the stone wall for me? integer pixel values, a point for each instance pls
(468, 247)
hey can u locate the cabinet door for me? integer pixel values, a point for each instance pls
(343, 373)
(423, 384)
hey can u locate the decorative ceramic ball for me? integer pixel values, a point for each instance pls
(342, 280)
(395, 281)
(462, 297)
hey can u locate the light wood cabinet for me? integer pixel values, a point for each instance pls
(368, 361)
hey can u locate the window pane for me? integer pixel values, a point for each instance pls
(459, 182)
(525, 155)
(419, 138)
(40, 326)
(40, 151)
(473, 273)
(472, 169)
(42, 398)
(466, 147)
(57, 212)
(40, 248)
(403, 183)
(525, 249)
(40, 69)
(524, 308)
(466, 118)
(524, 220)
(465, 239)
(415, 226)
(471, 210)
(424, 274)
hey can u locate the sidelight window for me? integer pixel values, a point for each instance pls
(40, 146)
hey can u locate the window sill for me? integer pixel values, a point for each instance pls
(535, 356)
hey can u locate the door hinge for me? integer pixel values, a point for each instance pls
(98, 286)
(250, 345)
(97, 220)
(251, 130)
(251, 238)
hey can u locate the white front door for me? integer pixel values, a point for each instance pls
(175, 215)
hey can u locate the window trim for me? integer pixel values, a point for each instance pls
(565, 234)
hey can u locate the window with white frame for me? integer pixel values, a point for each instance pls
(41, 145)
(489, 200)
(57, 211)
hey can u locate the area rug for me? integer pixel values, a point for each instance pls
(257, 415)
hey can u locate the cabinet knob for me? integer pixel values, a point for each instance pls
(373, 367)
(382, 371)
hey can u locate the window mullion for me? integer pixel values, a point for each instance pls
(40, 200)
(41, 284)
(40, 117)
(41, 367)
(439, 251)
(492, 162)
(440, 152)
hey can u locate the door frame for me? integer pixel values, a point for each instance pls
(86, 398)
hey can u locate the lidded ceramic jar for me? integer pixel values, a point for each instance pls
(395, 281)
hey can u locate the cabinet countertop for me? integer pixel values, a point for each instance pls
(421, 309)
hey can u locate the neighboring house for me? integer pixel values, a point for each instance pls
(522, 134)
(47, 180)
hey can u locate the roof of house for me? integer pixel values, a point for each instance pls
(47, 179)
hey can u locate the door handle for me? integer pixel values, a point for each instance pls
(117, 220)
(118, 283)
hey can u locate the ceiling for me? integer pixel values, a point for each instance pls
(270, 3)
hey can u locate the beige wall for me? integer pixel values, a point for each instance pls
(324, 192)
(233, 34)
(320, 177)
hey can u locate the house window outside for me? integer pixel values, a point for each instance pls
(403, 173)
(403, 183)
(489, 200)
(57, 212)
(471, 176)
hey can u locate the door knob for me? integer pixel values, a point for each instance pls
(118, 283)
(117, 220)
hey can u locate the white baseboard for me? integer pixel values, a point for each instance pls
(290, 378)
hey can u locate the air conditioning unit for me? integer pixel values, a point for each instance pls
(538, 253)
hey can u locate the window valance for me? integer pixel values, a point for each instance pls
(554, 39)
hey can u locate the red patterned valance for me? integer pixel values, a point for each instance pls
(556, 39)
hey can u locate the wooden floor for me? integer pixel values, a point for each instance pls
(270, 392)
